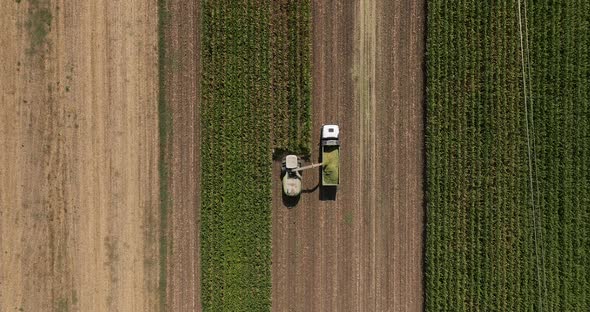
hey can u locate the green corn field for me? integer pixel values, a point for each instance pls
(254, 77)
(508, 211)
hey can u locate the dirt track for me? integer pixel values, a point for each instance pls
(363, 251)
(78, 156)
(183, 97)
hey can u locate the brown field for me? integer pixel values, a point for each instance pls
(183, 97)
(78, 156)
(363, 251)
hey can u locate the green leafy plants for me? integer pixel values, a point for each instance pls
(290, 26)
(505, 233)
(236, 157)
(255, 80)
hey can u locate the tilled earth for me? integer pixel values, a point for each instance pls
(78, 156)
(181, 92)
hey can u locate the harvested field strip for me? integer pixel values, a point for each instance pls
(488, 247)
(165, 133)
(290, 25)
(236, 157)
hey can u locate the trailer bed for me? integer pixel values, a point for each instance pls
(331, 169)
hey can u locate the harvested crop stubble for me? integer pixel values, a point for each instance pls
(488, 247)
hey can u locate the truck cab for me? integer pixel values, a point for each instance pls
(330, 132)
(330, 144)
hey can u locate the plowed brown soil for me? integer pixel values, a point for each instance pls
(362, 251)
(78, 156)
(183, 97)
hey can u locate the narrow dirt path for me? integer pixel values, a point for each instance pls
(400, 91)
(182, 79)
(78, 142)
(363, 251)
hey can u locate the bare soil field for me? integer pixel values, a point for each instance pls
(182, 95)
(362, 251)
(78, 156)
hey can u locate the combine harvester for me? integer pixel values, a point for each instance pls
(292, 164)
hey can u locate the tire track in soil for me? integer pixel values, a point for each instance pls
(363, 251)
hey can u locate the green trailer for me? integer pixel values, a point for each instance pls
(330, 144)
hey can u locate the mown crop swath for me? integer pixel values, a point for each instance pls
(236, 147)
(481, 249)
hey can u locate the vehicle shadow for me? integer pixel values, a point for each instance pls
(328, 193)
(311, 190)
(290, 201)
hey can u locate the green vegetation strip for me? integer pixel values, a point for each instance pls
(255, 96)
(236, 157)
(486, 248)
(290, 26)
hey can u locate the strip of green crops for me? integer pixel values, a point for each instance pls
(236, 159)
(480, 245)
(291, 76)
(240, 73)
